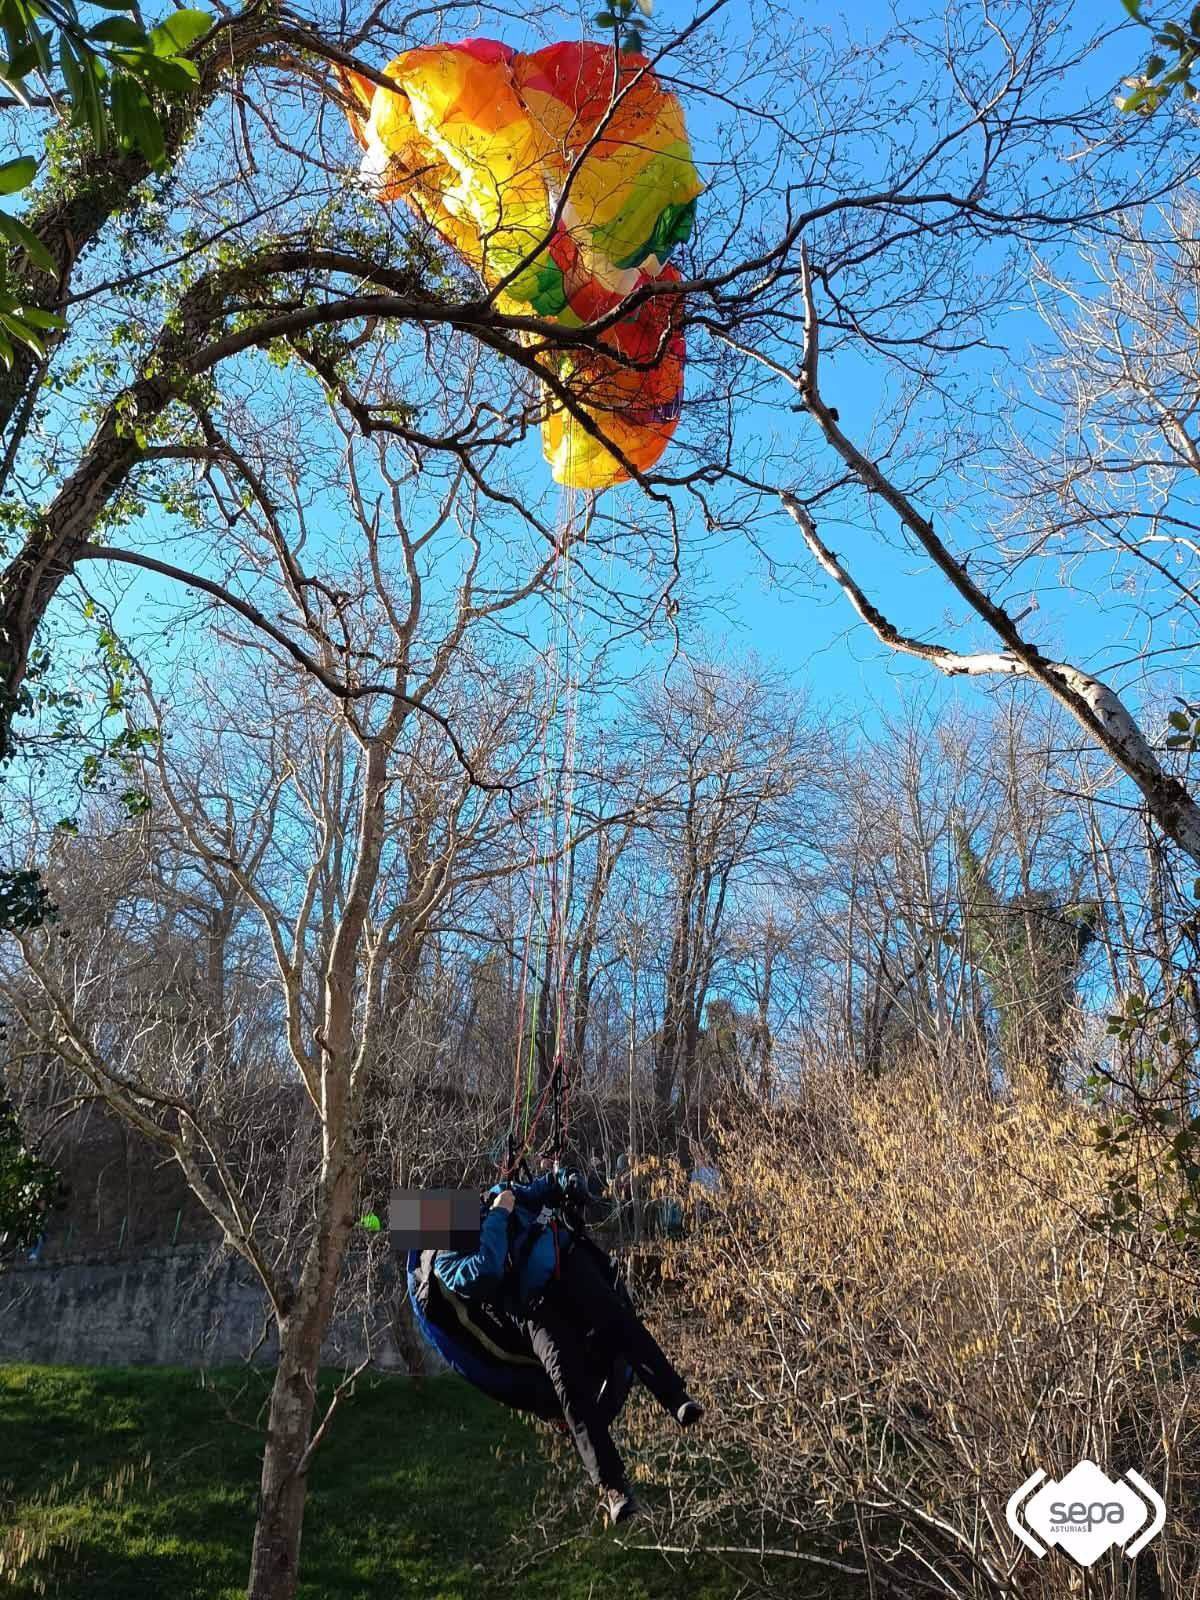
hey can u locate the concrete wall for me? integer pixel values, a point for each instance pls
(189, 1306)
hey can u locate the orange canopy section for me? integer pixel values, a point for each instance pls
(565, 179)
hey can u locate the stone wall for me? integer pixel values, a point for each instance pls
(189, 1306)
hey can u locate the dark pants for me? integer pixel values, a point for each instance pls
(557, 1322)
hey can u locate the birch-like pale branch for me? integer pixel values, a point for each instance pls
(1096, 708)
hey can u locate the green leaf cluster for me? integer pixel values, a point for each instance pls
(617, 18)
(109, 77)
(29, 1186)
(1185, 728)
(106, 73)
(24, 901)
(1172, 60)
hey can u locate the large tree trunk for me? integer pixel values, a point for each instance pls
(275, 1561)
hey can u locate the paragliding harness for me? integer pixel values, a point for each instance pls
(491, 1351)
(485, 1343)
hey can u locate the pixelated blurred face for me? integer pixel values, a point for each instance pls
(434, 1219)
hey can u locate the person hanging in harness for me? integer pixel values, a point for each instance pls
(551, 1282)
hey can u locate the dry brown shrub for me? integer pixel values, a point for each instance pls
(902, 1307)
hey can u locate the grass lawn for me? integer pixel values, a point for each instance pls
(142, 1482)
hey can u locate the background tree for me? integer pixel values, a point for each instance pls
(1029, 948)
(734, 754)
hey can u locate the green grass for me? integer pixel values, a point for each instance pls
(140, 1482)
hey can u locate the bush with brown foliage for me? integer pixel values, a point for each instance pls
(903, 1305)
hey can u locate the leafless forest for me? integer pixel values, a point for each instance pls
(370, 775)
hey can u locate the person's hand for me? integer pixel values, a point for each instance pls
(505, 1200)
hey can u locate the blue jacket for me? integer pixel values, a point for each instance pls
(522, 1244)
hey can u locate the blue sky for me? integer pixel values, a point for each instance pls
(731, 606)
(813, 634)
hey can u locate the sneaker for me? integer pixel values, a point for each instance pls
(689, 1412)
(618, 1505)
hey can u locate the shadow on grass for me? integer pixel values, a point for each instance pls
(419, 1490)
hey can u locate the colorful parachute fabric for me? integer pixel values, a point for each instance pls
(483, 141)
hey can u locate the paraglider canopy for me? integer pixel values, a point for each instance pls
(565, 179)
